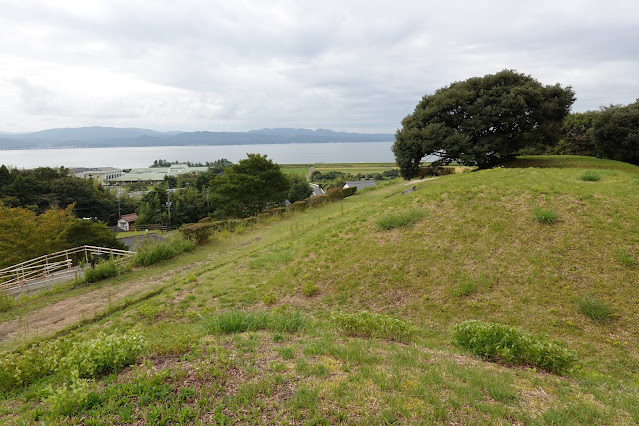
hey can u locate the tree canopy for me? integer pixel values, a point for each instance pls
(249, 187)
(481, 121)
(615, 133)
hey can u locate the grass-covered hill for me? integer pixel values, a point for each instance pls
(256, 327)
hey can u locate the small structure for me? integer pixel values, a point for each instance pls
(317, 190)
(126, 221)
(101, 174)
(157, 174)
(359, 184)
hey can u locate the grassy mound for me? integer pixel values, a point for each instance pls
(477, 253)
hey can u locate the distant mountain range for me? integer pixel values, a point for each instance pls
(93, 137)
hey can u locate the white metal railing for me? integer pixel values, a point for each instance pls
(54, 265)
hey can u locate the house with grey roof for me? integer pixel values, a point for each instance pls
(359, 184)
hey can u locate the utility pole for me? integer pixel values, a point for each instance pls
(208, 207)
(168, 205)
(119, 194)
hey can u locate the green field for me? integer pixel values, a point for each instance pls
(353, 168)
(254, 327)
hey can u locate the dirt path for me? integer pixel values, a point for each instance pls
(71, 310)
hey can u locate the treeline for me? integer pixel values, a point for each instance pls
(334, 178)
(223, 163)
(612, 133)
(241, 190)
(25, 234)
(47, 188)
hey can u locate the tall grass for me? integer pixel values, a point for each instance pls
(590, 176)
(151, 253)
(595, 309)
(281, 319)
(6, 301)
(101, 271)
(545, 216)
(407, 218)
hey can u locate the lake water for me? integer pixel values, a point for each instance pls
(131, 157)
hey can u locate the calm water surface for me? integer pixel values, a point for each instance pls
(130, 157)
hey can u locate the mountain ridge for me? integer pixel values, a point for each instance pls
(96, 136)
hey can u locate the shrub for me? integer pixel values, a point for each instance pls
(590, 176)
(467, 286)
(69, 399)
(310, 289)
(6, 301)
(595, 309)
(151, 253)
(407, 218)
(623, 257)
(347, 192)
(366, 324)
(318, 200)
(105, 353)
(547, 217)
(199, 233)
(101, 271)
(29, 364)
(280, 319)
(299, 206)
(512, 345)
(335, 194)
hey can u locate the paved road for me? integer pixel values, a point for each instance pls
(35, 286)
(132, 242)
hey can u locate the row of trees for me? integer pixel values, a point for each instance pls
(485, 121)
(25, 234)
(245, 189)
(45, 188)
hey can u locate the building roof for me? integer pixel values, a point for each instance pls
(131, 217)
(360, 184)
(157, 173)
(317, 190)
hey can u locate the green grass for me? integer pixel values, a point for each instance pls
(475, 255)
(595, 309)
(590, 176)
(399, 220)
(545, 216)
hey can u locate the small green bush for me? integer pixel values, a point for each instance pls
(467, 286)
(280, 319)
(199, 233)
(6, 302)
(547, 217)
(595, 309)
(407, 218)
(101, 271)
(69, 399)
(366, 324)
(624, 258)
(590, 176)
(512, 345)
(105, 353)
(310, 289)
(151, 253)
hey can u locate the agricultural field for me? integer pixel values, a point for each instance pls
(352, 168)
(380, 308)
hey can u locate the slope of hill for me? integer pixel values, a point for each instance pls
(111, 137)
(478, 250)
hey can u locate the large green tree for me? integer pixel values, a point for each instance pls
(615, 132)
(249, 187)
(481, 121)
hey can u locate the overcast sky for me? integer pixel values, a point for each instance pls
(344, 65)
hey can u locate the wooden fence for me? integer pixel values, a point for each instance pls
(54, 266)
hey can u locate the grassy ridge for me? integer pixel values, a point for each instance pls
(476, 253)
